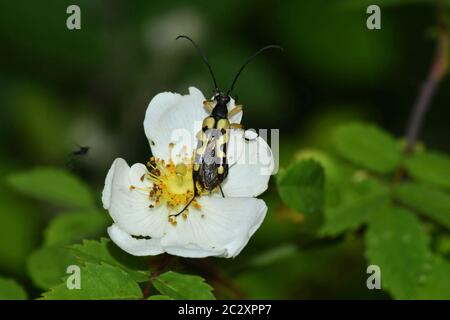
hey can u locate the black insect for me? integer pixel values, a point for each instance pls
(81, 151)
(210, 159)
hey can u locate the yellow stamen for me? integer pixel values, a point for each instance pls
(172, 186)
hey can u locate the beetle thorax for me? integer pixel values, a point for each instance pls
(220, 109)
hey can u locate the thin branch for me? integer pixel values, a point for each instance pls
(436, 73)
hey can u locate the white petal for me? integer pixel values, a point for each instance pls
(136, 247)
(222, 227)
(171, 115)
(193, 251)
(106, 193)
(174, 118)
(249, 176)
(137, 170)
(130, 208)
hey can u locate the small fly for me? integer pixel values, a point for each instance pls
(81, 151)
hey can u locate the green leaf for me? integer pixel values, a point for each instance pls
(54, 185)
(367, 198)
(183, 287)
(48, 265)
(73, 227)
(333, 168)
(105, 251)
(368, 146)
(436, 283)
(11, 290)
(98, 282)
(432, 167)
(21, 229)
(159, 297)
(397, 243)
(301, 186)
(427, 200)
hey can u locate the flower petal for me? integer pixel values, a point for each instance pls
(193, 251)
(174, 118)
(222, 227)
(129, 207)
(136, 247)
(250, 175)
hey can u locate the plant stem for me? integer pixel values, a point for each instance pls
(165, 262)
(436, 73)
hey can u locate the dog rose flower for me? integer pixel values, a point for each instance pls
(142, 200)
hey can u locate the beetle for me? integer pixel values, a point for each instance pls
(210, 158)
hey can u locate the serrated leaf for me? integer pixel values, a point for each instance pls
(435, 284)
(432, 167)
(427, 200)
(397, 243)
(54, 185)
(11, 290)
(73, 227)
(48, 265)
(183, 287)
(301, 186)
(98, 282)
(367, 198)
(368, 146)
(104, 251)
(159, 297)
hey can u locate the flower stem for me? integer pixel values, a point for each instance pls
(436, 73)
(164, 263)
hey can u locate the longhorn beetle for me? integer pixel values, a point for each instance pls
(210, 158)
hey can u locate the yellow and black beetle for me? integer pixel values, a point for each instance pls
(210, 158)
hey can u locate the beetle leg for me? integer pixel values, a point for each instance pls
(235, 110)
(221, 191)
(236, 126)
(185, 207)
(208, 104)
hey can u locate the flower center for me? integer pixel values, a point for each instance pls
(180, 182)
(172, 186)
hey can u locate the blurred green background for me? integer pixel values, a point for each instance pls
(62, 88)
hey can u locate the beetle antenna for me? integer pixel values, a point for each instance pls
(205, 60)
(250, 58)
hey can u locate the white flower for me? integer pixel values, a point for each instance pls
(140, 199)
